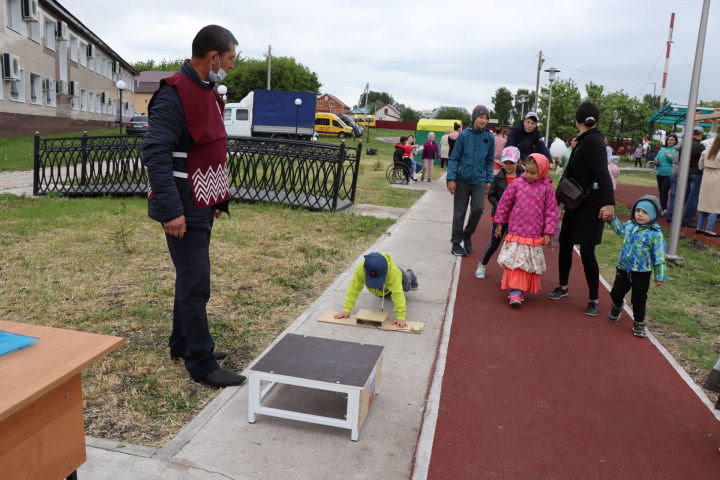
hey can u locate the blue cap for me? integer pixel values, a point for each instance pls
(376, 267)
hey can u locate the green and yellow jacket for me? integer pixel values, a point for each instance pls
(393, 286)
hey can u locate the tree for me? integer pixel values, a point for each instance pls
(565, 100)
(503, 105)
(708, 103)
(376, 100)
(594, 93)
(452, 113)
(520, 109)
(287, 74)
(163, 65)
(407, 114)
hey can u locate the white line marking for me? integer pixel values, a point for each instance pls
(423, 450)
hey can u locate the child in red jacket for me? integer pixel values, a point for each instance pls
(530, 209)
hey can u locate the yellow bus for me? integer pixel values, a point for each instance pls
(331, 124)
(362, 119)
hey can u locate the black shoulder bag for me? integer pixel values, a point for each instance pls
(569, 192)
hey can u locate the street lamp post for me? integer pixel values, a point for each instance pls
(551, 78)
(120, 84)
(222, 91)
(522, 99)
(298, 102)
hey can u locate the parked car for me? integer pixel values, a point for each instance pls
(357, 129)
(138, 125)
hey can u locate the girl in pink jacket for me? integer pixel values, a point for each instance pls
(529, 208)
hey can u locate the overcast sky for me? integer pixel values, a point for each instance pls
(428, 54)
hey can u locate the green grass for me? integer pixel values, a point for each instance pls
(16, 153)
(100, 265)
(683, 312)
(372, 185)
(638, 177)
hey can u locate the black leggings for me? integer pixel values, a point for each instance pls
(592, 271)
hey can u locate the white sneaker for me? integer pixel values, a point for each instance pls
(480, 272)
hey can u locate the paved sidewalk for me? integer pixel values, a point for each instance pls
(220, 443)
(17, 182)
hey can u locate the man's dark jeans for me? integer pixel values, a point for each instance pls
(474, 195)
(190, 336)
(693, 187)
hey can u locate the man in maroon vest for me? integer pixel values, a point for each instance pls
(185, 156)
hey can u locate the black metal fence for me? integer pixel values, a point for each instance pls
(313, 175)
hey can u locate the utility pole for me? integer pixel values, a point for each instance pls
(541, 60)
(269, 66)
(667, 61)
(679, 206)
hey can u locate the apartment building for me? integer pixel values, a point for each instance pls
(57, 75)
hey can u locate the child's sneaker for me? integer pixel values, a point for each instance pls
(639, 329)
(480, 272)
(515, 299)
(615, 312)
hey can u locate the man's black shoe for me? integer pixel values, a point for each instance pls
(467, 243)
(217, 355)
(221, 377)
(458, 250)
(558, 293)
(592, 309)
(639, 329)
(615, 313)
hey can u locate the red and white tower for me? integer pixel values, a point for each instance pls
(667, 61)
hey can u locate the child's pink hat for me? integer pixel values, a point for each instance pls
(510, 154)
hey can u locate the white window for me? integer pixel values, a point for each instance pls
(83, 54)
(50, 92)
(91, 102)
(75, 103)
(13, 14)
(74, 48)
(50, 25)
(33, 29)
(36, 89)
(17, 88)
(83, 100)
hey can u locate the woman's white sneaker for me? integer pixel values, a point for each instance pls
(480, 272)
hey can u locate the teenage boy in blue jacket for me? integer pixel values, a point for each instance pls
(469, 174)
(642, 253)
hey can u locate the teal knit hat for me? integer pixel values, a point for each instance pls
(648, 207)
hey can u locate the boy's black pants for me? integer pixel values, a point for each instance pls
(639, 282)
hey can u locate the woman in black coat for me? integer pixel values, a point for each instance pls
(584, 225)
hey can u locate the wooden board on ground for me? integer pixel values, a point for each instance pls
(352, 320)
(368, 315)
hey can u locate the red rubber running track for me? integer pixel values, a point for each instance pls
(545, 392)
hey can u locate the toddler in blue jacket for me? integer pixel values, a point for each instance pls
(642, 253)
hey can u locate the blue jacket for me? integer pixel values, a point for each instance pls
(472, 157)
(168, 133)
(643, 247)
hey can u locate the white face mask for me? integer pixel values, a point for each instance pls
(217, 77)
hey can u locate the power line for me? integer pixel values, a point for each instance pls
(687, 64)
(598, 75)
(400, 62)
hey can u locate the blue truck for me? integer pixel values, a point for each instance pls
(272, 113)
